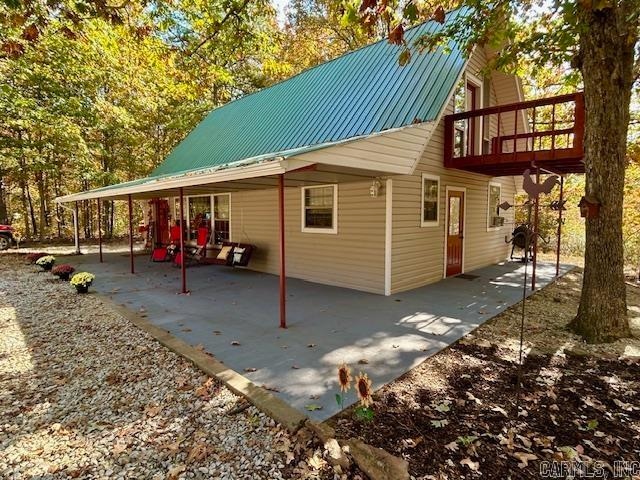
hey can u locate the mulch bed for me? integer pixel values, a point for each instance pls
(455, 415)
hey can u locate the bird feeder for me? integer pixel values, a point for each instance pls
(589, 207)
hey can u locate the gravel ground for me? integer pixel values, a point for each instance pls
(84, 394)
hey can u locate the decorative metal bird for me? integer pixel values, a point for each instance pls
(534, 189)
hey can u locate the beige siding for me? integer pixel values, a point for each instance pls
(395, 151)
(418, 252)
(353, 258)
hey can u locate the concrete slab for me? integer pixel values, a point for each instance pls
(327, 325)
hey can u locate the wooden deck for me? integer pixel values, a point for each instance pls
(507, 139)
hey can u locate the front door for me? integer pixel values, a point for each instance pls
(455, 231)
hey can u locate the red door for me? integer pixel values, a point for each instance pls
(455, 232)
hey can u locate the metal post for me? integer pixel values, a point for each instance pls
(283, 278)
(535, 235)
(559, 226)
(131, 233)
(183, 268)
(76, 228)
(100, 230)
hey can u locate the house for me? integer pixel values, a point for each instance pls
(363, 173)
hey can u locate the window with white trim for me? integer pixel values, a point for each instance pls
(430, 204)
(494, 217)
(320, 209)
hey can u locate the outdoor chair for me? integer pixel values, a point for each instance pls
(164, 253)
(194, 254)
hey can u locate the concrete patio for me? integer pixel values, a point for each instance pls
(327, 325)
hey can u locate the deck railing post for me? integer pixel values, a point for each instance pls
(76, 228)
(130, 202)
(283, 278)
(536, 217)
(183, 267)
(100, 230)
(559, 226)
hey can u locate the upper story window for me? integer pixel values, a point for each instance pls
(320, 209)
(468, 96)
(430, 210)
(494, 219)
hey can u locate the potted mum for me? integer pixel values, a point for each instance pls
(46, 262)
(63, 271)
(82, 281)
(34, 256)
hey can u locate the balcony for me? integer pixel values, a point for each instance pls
(507, 139)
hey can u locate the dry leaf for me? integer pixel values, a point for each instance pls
(198, 453)
(524, 458)
(453, 446)
(250, 369)
(473, 466)
(363, 361)
(235, 343)
(175, 471)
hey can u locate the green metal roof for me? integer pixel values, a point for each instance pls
(359, 93)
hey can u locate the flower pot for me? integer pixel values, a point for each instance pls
(64, 276)
(82, 288)
(47, 267)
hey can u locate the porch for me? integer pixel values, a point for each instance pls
(326, 325)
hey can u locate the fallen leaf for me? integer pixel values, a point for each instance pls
(473, 466)
(500, 410)
(363, 361)
(250, 369)
(217, 332)
(524, 458)
(311, 345)
(453, 446)
(312, 407)
(235, 343)
(198, 452)
(175, 471)
(152, 411)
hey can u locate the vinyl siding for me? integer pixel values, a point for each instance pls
(418, 252)
(352, 258)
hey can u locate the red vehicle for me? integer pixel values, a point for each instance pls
(7, 238)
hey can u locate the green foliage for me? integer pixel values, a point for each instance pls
(363, 414)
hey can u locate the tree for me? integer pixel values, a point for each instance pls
(599, 39)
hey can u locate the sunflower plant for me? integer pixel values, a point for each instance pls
(364, 391)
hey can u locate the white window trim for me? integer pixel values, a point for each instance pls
(429, 223)
(477, 83)
(489, 212)
(213, 219)
(334, 229)
(187, 216)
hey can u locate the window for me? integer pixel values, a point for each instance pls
(221, 217)
(319, 209)
(199, 215)
(468, 95)
(494, 219)
(430, 214)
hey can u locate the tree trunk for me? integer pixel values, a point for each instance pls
(4, 216)
(607, 47)
(42, 203)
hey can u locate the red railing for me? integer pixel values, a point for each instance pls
(501, 139)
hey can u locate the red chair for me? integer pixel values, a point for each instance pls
(167, 252)
(195, 254)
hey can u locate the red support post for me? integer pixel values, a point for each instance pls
(183, 268)
(100, 230)
(536, 217)
(283, 278)
(131, 233)
(559, 227)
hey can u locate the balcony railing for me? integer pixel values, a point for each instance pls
(506, 139)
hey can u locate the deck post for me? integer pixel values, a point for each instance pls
(183, 267)
(559, 226)
(129, 201)
(536, 217)
(76, 229)
(283, 278)
(100, 230)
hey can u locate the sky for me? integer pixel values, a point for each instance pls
(280, 5)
